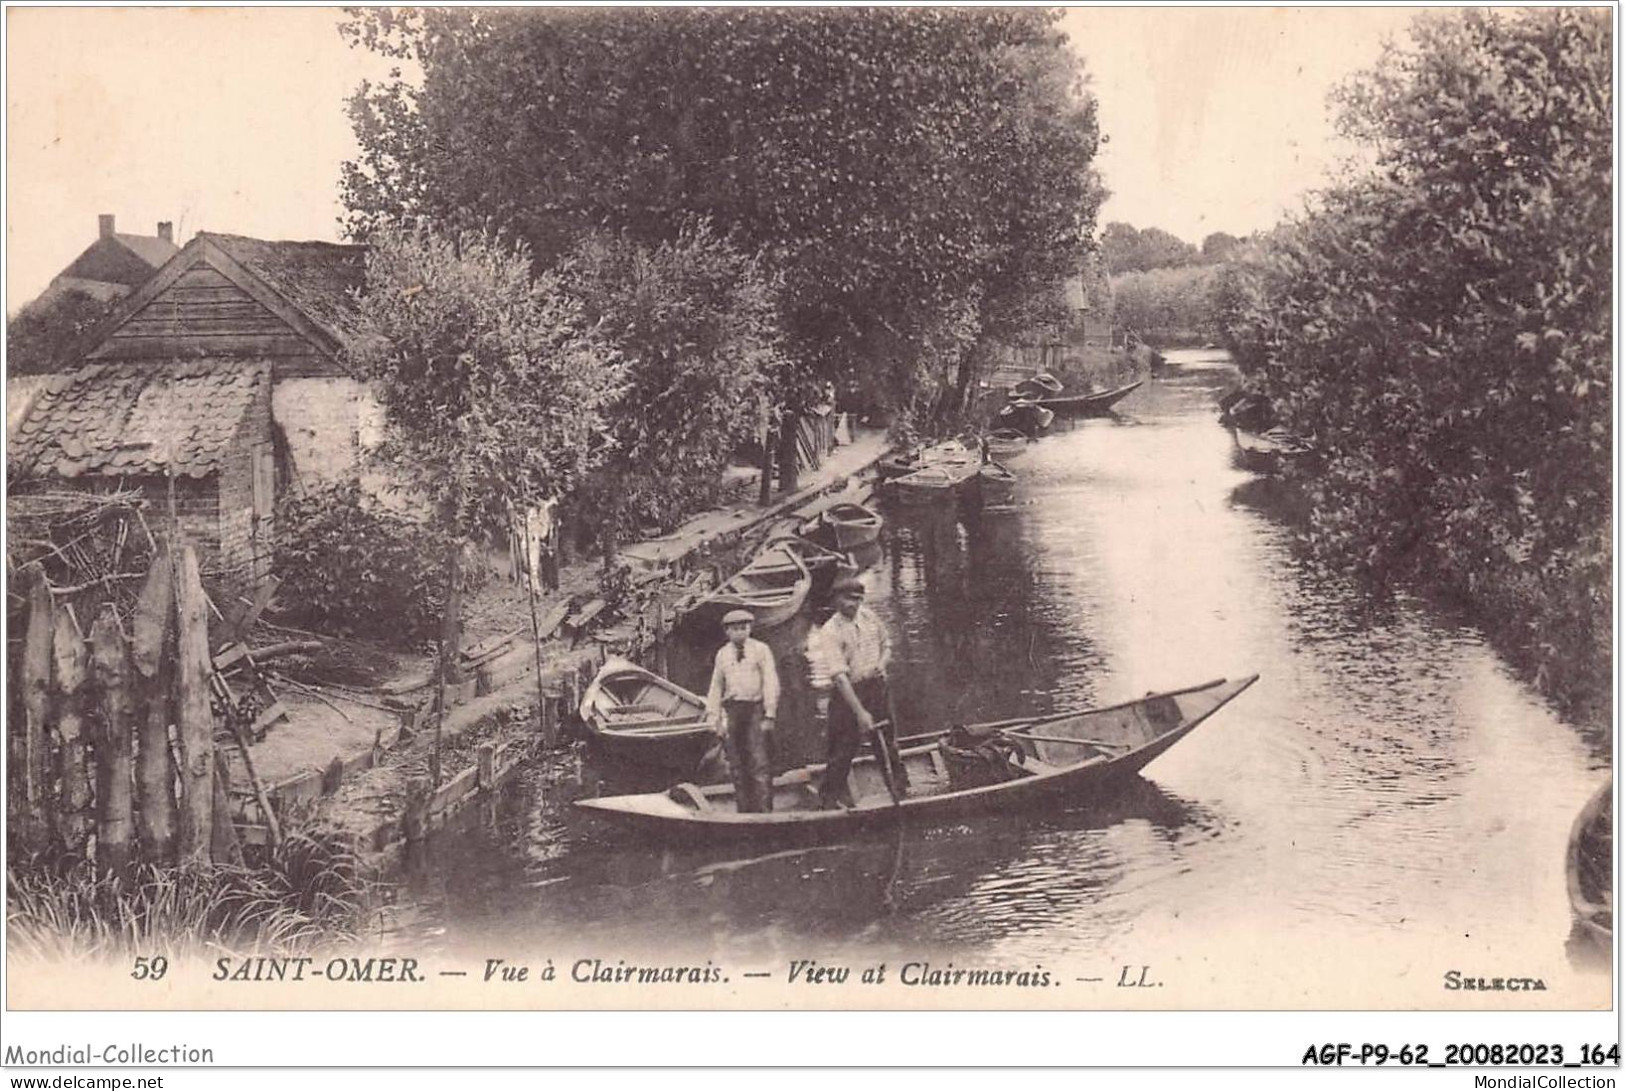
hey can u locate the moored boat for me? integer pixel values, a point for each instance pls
(996, 485)
(1038, 386)
(1088, 405)
(772, 587)
(927, 485)
(1028, 417)
(849, 525)
(1007, 443)
(1267, 452)
(824, 565)
(1590, 866)
(639, 717)
(1069, 759)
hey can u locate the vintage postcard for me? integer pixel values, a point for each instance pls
(1086, 509)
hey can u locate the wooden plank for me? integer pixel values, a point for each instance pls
(72, 665)
(115, 824)
(243, 618)
(584, 616)
(269, 716)
(490, 646)
(194, 720)
(549, 622)
(232, 653)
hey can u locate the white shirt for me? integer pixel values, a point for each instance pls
(744, 674)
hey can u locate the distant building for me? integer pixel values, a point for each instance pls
(113, 266)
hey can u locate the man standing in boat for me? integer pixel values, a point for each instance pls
(857, 653)
(743, 701)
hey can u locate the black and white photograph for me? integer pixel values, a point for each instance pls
(753, 508)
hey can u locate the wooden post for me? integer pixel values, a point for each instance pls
(450, 629)
(34, 748)
(531, 579)
(72, 662)
(486, 774)
(193, 717)
(662, 664)
(415, 820)
(223, 844)
(153, 653)
(110, 655)
(550, 719)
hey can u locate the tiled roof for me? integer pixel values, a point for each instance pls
(149, 248)
(320, 278)
(139, 419)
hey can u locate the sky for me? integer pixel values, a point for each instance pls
(233, 119)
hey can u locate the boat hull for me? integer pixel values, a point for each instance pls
(1089, 405)
(1147, 729)
(634, 716)
(848, 528)
(1589, 867)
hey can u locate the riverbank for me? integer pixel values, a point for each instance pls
(360, 764)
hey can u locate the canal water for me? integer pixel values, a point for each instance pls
(1386, 805)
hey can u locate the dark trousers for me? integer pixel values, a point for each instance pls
(845, 738)
(747, 754)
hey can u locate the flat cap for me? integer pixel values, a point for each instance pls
(845, 584)
(734, 617)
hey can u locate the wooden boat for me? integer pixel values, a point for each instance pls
(1007, 443)
(772, 587)
(824, 565)
(1042, 385)
(1070, 759)
(639, 717)
(928, 485)
(1088, 405)
(849, 525)
(1267, 452)
(996, 485)
(1028, 417)
(1590, 866)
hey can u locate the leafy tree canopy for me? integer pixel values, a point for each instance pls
(897, 169)
(45, 335)
(1130, 250)
(1440, 328)
(493, 382)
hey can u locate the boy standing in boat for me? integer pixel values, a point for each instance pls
(743, 700)
(857, 653)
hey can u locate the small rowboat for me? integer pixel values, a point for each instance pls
(1089, 405)
(997, 485)
(1590, 866)
(850, 525)
(926, 486)
(772, 587)
(1267, 452)
(639, 717)
(824, 565)
(1007, 443)
(1027, 417)
(1039, 386)
(1071, 759)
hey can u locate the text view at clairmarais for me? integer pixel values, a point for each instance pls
(768, 508)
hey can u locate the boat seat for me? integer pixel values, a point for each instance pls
(690, 795)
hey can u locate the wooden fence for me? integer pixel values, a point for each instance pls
(113, 745)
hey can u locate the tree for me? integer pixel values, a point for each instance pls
(1165, 305)
(493, 384)
(1218, 247)
(1440, 329)
(912, 178)
(1129, 250)
(693, 321)
(46, 334)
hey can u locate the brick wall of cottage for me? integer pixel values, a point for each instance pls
(322, 422)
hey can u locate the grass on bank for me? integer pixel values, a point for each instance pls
(306, 894)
